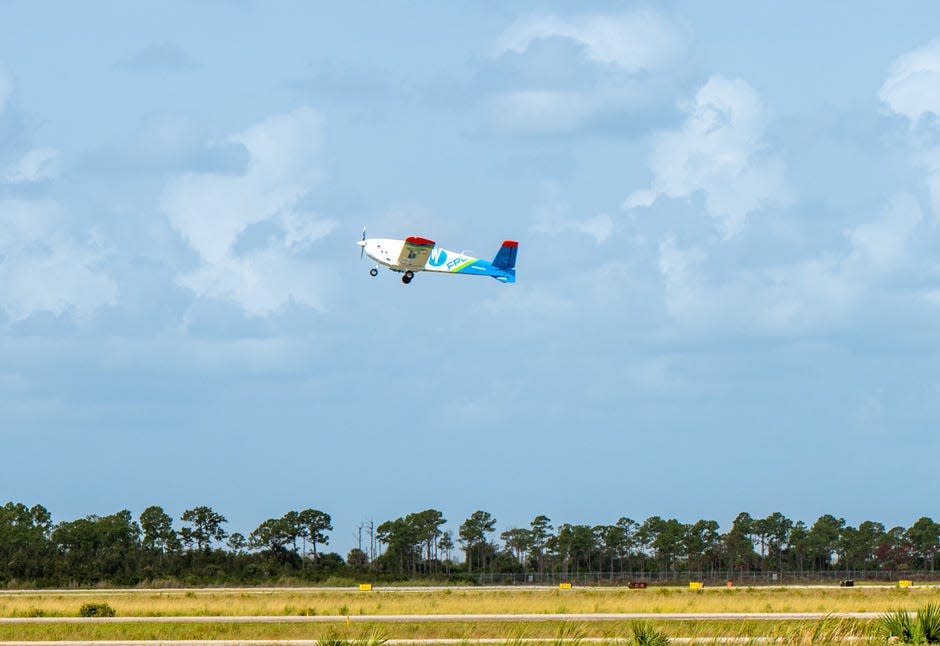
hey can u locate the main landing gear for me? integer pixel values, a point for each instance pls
(374, 272)
(407, 277)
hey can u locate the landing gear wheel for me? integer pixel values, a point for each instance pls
(373, 272)
(407, 277)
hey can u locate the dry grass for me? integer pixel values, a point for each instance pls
(510, 600)
(796, 632)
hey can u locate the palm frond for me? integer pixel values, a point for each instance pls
(928, 621)
(645, 634)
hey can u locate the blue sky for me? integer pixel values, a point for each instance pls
(729, 283)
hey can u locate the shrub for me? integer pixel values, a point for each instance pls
(569, 634)
(372, 638)
(332, 639)
(923, 628)
(96, 610)
(645, 634)
(929, 619)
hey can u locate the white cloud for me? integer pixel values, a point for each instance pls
(679, 270)
(261, 283)
(600, 227)
(782, 300)
(300, 230)
(884, 244)
(639, 41)
(539, 111)
(564, 72)
(720, 151)
(552, 218)
(212, 210)
(929, 160)
(42, 269)
(820, 291)
(808, 295)
(38, 165)
(912, 88)
(640, 198)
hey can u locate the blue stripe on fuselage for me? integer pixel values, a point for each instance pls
(484, 268)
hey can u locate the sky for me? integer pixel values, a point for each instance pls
(728, 291)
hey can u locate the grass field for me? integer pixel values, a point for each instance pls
(503, 601)
(511, 600)
(444, 630)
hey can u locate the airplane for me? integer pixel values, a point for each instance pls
(420, 254)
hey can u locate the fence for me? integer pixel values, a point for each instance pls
(709, 577)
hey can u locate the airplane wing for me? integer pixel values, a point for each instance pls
(415, 252)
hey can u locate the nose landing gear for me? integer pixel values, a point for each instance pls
(407, 277)
(374, 272)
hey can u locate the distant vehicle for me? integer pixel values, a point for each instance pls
(420, 254)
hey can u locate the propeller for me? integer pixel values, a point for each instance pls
(362, 244)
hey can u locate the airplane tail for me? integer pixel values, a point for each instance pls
(506, 256)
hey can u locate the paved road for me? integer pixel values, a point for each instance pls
(319, 619)
(397, 642)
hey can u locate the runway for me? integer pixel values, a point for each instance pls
(396, 642)
(400, 642)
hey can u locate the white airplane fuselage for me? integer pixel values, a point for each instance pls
(387, 251)
(416, 254)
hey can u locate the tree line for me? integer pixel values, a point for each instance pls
(118, 549)
(751, 545)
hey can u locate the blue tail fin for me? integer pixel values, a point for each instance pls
(506, 256)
